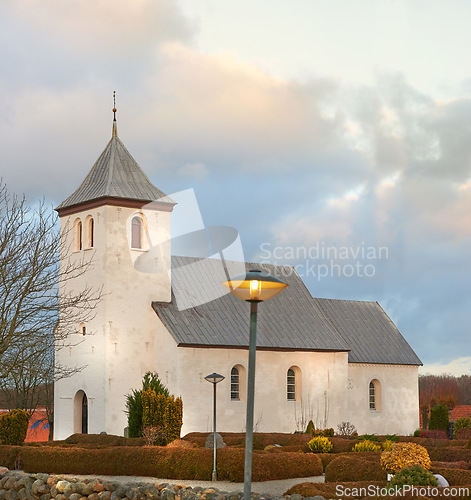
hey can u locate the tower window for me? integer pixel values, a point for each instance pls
(136, 232)
(77, 235)
(91, 236)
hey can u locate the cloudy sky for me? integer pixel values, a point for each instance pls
(335, 136)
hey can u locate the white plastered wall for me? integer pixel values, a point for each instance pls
(322, 395)
(118, 347)
(399, 412)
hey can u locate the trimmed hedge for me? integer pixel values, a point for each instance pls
(171, 463)
(345, 468)
(456, 477)
(328, 490)
(9, 456)
(260, 440)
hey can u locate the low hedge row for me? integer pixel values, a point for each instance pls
(329, 490)
(260, 439)
(456, 477)
(155, 461)
(348, 468)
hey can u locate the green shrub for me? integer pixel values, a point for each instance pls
(416, 433)
(310, 427)
(461, 423)
(368, 437)
(13, 427)
(392, 437)
(345, 468)
(134, 402)
(439, 418)
(320, 444)
(414, 475)
(366, 446)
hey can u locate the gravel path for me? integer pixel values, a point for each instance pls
(275, 488)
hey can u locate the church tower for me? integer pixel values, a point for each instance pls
(117, 225)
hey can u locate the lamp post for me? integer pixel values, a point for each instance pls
(254, 287)
(214, 378)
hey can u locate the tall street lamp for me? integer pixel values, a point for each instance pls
(254, 287)
(214, 378)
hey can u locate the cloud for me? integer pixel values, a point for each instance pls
(457, 367)
(193, 171)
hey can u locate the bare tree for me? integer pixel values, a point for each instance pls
(33, 271)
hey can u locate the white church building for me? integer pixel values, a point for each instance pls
(331, 361)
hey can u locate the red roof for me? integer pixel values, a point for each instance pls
(38, 428)
(460, 411)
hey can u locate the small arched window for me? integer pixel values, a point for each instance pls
(238, 383)
(136, 232)
(374, 392)
(77, 235)
(235, 384)
(90, 232)
(293, 384)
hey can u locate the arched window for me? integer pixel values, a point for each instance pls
(89, 232)
(77, 235)
(375, 395)
(82, 329)
(235, 384)
(293, 384)
(238, 383)
(81, 413)
(136, 232)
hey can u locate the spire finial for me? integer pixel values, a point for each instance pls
(115, 128)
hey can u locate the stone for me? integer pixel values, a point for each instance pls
(45, 496)
(22, 495)
(75, 496)
(63, 486)
(296, 496)
(441, 480)
(3, 470)
(210, 441)
(105, 495)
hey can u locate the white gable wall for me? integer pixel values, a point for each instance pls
(399, 413)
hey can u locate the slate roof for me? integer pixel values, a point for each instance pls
(201, 313)
(115, 174)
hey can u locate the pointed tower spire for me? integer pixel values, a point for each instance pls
(115, 126)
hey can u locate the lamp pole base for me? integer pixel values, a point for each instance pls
(214, 477)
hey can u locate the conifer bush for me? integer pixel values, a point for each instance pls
(13, 427)
(134, 404)
(414, 475)
(439, 420)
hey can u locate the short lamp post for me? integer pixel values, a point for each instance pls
(254, 287)
(214, 378)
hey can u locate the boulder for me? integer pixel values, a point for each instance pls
(210, 441)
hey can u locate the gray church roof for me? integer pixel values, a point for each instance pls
(115, 174)
(201, 313)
